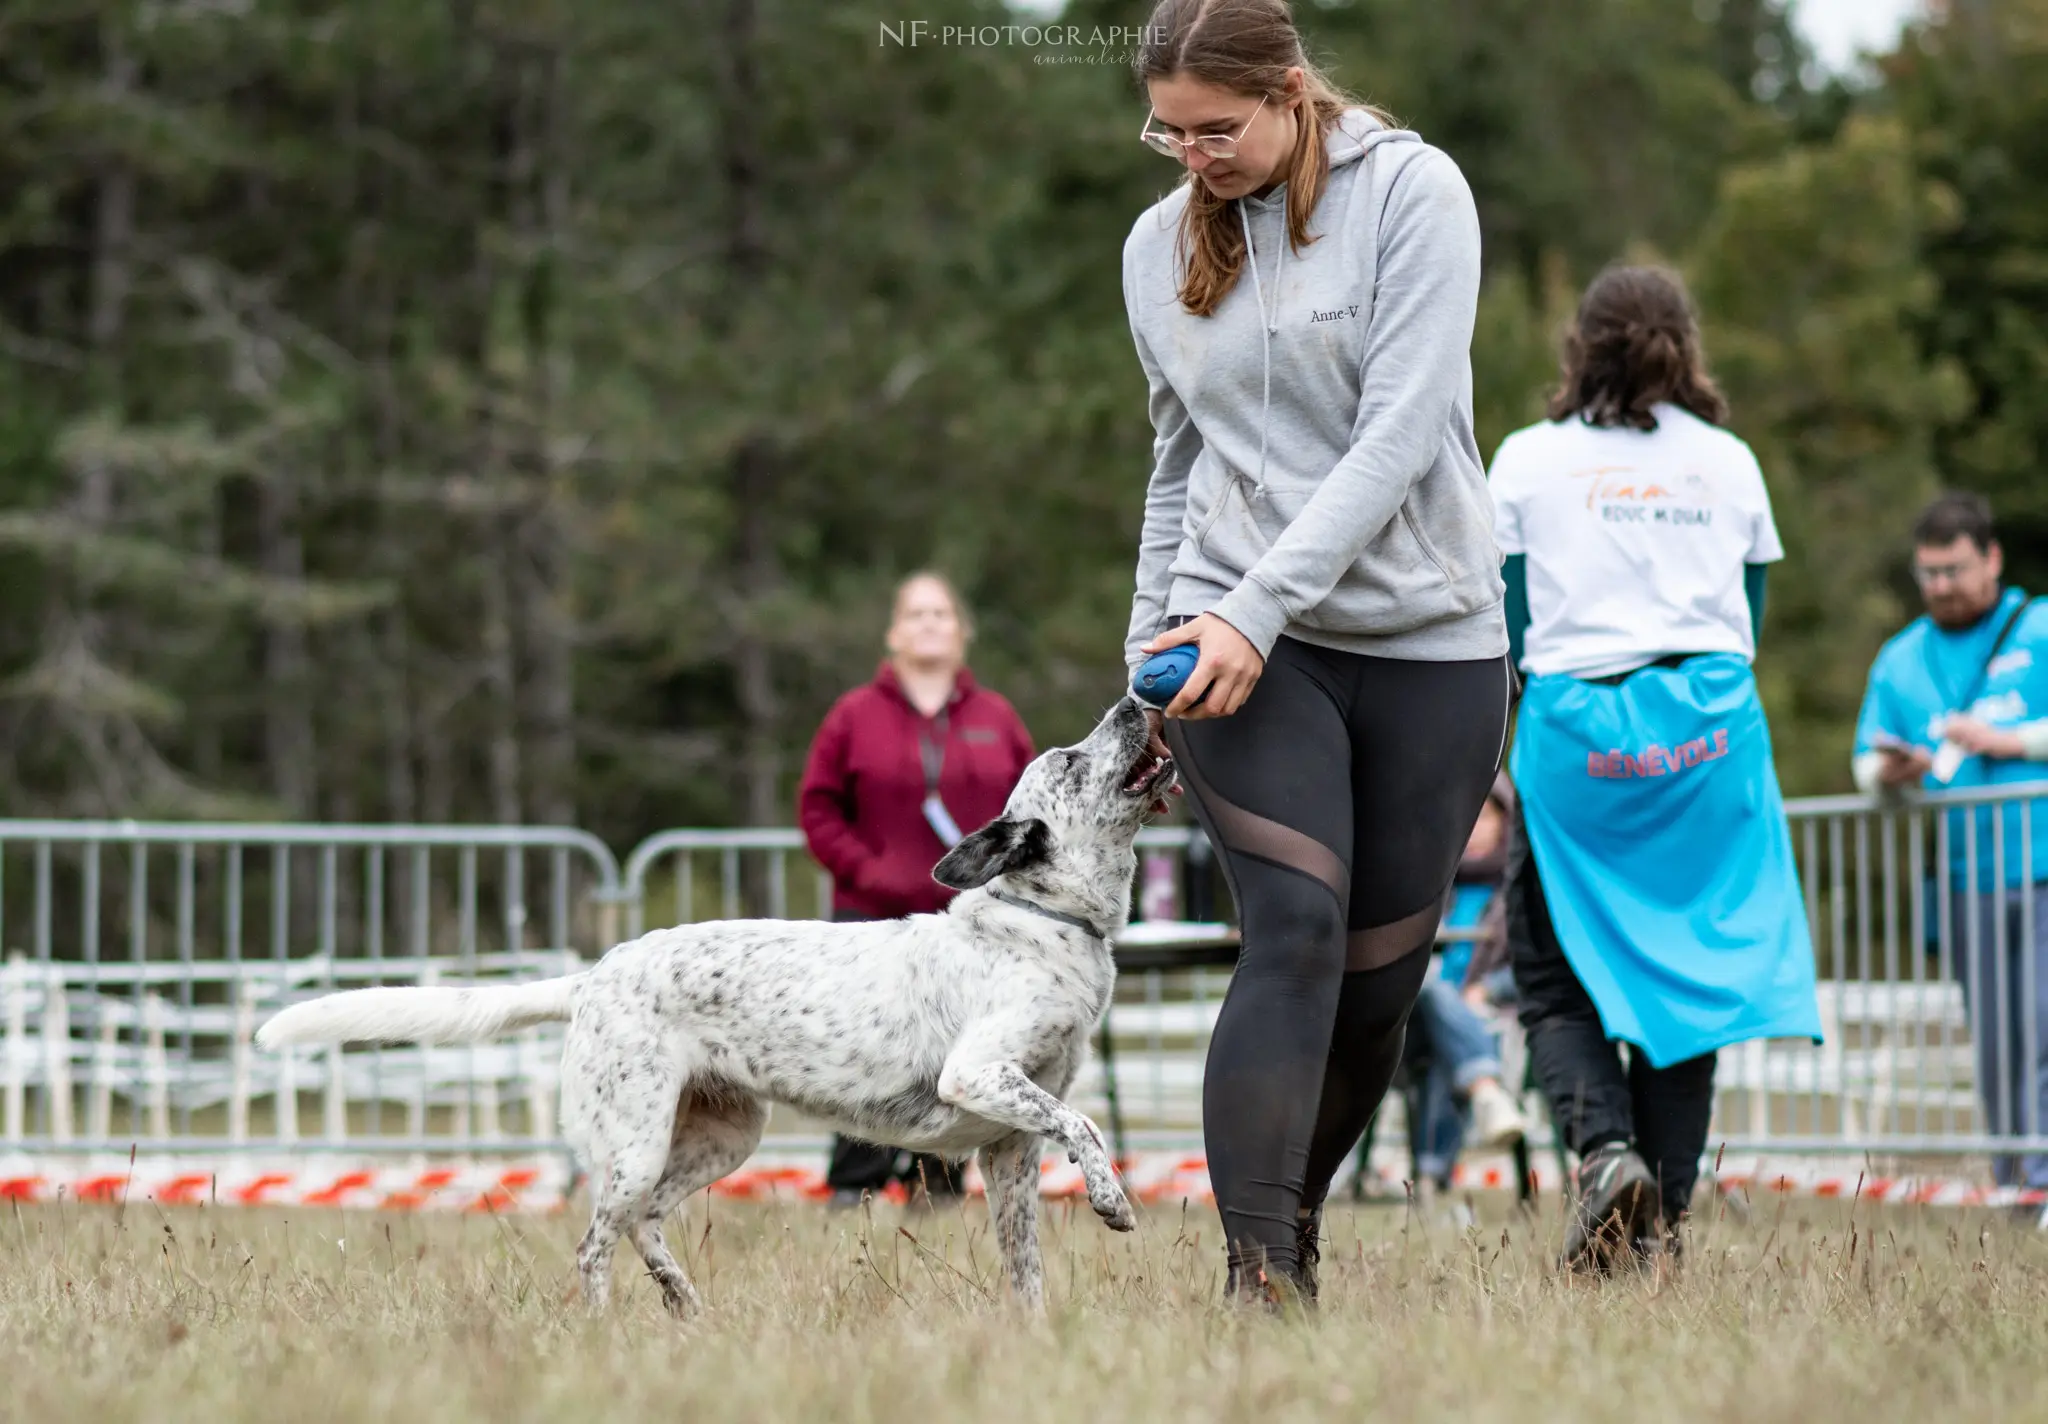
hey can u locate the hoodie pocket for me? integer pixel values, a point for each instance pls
(1206, 519)
(1407, 516)
(1232, 539)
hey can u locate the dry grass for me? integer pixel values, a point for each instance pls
(1812, 1312)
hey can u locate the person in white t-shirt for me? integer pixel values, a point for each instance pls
(1654, 901)
(1626, 545)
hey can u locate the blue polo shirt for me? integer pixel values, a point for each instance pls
(1916, 683)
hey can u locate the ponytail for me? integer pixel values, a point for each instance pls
(1635, 343)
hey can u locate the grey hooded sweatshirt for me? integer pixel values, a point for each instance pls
(1314, 467)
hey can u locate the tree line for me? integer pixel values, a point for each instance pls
(509, 410)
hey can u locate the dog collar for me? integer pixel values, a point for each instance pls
(1018, 902)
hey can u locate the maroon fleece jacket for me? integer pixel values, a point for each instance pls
(863, 790)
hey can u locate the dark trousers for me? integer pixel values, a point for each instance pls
(1595, 1098)
(858, 1166)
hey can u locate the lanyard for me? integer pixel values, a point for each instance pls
(931, 752)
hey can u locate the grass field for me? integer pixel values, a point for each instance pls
(1809, 1312)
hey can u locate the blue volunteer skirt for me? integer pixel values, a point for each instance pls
(1654, 814)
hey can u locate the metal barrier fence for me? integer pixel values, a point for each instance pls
(1919, 911)
(1909, 929)
(684, 876)
(750, 870)
(139, 956)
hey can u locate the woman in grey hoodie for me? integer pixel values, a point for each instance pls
(1318, 523)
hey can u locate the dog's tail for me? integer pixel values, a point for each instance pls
(422, 1015)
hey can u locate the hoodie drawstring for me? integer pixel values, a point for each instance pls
(1268, 325)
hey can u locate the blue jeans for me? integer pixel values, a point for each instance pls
(1461, 1052)
(2005, 984)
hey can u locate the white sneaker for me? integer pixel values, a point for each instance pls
(1497, 1120)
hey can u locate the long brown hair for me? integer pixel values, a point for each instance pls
(1247, 47)
(1634, 343)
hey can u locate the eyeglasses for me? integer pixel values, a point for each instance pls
(1927, 575)
(1211, 145)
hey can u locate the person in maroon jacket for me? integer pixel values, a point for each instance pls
(901, 768)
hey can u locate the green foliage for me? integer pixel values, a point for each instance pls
(516, 410)
(1810, 274)
(1974, 95)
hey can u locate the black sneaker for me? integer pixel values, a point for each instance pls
(1244, 1286)
(1308, 1254)
(1616, 1205)
(1257, 1291)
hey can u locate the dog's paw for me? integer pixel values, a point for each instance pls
(1114, 1208)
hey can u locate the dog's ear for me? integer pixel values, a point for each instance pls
(998, 848)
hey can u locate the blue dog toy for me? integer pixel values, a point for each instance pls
(1160, 677)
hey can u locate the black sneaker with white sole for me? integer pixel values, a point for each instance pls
(1614, 1206)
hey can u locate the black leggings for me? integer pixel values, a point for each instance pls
(1341, 796)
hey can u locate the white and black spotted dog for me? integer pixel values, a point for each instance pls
(949, 1033)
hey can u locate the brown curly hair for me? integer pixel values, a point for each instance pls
(1634, 343)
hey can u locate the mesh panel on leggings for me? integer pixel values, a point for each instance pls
(1250, 834)
(1381, 945)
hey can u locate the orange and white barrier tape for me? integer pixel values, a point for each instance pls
(544, 1185)
(1759, 1176)
(1167, 1177)
(303, 1181)
(1152, 1177)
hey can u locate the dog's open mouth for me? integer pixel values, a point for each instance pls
(1149, 773)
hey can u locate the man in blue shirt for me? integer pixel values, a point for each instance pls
(1959, 698)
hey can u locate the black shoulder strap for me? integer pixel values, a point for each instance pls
(1997, 646)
